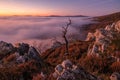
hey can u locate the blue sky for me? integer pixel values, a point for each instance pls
(59, 7)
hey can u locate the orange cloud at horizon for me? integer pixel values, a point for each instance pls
(9, 10)
(23, 14)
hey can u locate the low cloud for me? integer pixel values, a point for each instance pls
(27, 28)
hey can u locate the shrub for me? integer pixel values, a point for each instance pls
(95, 64)
(16, 72)
(9, 58)
(115, 67)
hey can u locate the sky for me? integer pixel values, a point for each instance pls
(59, 7)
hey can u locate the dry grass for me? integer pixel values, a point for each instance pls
(56, 56)
(115, 67)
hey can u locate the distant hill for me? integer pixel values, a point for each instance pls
(101, 22)
(108, 18)
(67, 16)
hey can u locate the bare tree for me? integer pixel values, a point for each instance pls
(65, 30)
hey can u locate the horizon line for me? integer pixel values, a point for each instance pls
(54, 15)
(77, 15)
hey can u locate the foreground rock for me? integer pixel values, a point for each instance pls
(115, 76)
(102, 38)
(26, 53)
(33, 54)
(5, 49)
(68, 71)
(22, 48)
(21, 64)
(20, 54)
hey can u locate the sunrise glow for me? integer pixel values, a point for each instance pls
(58, 7)
(8, 10)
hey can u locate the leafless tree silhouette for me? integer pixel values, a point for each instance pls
(64, 35)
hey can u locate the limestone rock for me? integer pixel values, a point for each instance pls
(67, 71)
(59, 69)
(26, 52)
(117, 26)
(90, 37)
(103, 37)
(6, 48)
(33, 54)
(67, 64)
(115, 76)
(20, 59)
(23, 48)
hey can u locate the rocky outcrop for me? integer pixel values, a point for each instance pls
(102, 38)
(20, 59)
(21, 64)
(5, 49)
(22, 48)
(68, 71)
(26, 52)
(33, 53)
(90, 37)
(117, 26)
(115, 76)
(21, 53)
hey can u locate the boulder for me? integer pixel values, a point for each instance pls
(59, 69)
(117, 26)
(26, 55)
(108, 28)
(20, 59)
(100, 33)
(67, 64)
(33, 54)
(23, 48)
(115, 76)
(6, 48)
(67, 71)
(90, 37)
